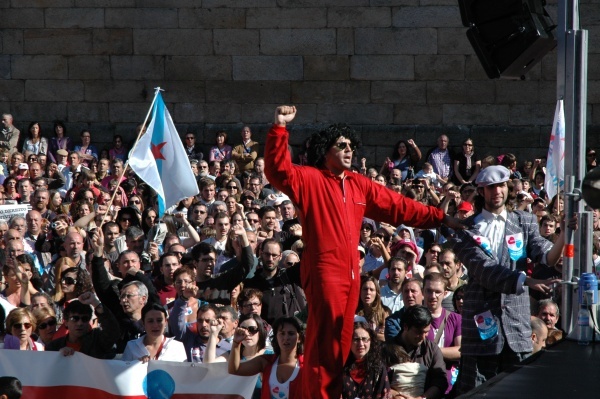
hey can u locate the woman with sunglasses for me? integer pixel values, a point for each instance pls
(281, 371)
(466, 164)
(20, 324)
(46, 322)
(154, 345)
(73, 282)
(365, 374)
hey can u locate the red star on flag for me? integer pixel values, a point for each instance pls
(156, 150)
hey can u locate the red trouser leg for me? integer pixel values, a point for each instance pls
(331, 309)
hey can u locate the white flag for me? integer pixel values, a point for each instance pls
(160, 160)
(555, 166)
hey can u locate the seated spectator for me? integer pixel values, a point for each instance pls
(97, 342)
(370, 306)
(407, 378)
(391, 293)
(221, 151)
(412, 295)
(365, 374)
(154, 345)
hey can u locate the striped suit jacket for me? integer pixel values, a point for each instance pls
(493, 286)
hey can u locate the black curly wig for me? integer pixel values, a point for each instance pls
(321, 142)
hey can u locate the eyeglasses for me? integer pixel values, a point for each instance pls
(232, 187)
(342, 145)
(251, 305)
(251, 329)
(128, 296)
(253, 220)
(433, 251)
(69, 280)
(418, 186)
(85, 319)
(49, 323)
(182, 282)
(270, 255)
(190, 138)
(21, 326)
(200, 212)
(468, 145)
(206, 260)
(364, 340)
(125, 219)
(135, 202)
(290, 263)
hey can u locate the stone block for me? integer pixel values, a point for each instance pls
(595, 118)
(239, 4)
(382, 67)
(330, 92)
(111, 90)
(440, 67)
(128, 67)
(548, 67)
(42, 3)
(189, 113)
(359, 17)
(593, 92)
(39, 67)
(475, 114)
(36, 110)
(426, 17)
(223, 113)
(517, 92)
(462, 92)
(22, 18)
(12, 41)
(105, 3)
(321, 3)
(80, 18)
(57, 41)
(589, 14)
(437, 2)
(547, 92)
(473, 69)
(382, 135)
(396, 92)
(512, 136)
(5, 67)
(112, 41)
(141, 18)
(178, 91)
(236, 41)
(355, 114)
(453, 41)
(256, 92)
(172, 42)
(409, 114)
(89, 67)
(297, 41)
(127, 112)
(426, 136)
(257, 113)
(396, 41)
(212, 18)
(285, 18)
(198, 68)
(531, 114)
(53, 90)
(307, 114)
(380, 3)
(87, 112)
(329, 67)
(12, 90)
(4, 4)
(267, 68)
(345, 41)
(167, 3)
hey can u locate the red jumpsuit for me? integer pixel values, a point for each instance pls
(331, 211)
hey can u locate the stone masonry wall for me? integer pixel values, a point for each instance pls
(391, 68)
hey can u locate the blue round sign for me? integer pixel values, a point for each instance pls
(158, 384)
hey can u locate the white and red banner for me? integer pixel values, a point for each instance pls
(50, 375)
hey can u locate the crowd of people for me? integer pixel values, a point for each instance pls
(92, 268)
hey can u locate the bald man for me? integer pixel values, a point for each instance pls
(74, 248)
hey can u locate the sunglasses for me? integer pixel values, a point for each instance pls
(134, 202)
(343, 144)
(50, 323)
(251, 329)
(21, 326)
(232, 187)
(85, 319)
(68, 280)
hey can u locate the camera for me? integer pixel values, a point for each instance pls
(54, 225)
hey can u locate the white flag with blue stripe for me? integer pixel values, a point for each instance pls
(555, 164)
(160, 160)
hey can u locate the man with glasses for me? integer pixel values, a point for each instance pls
(283, 295)
(331, 203)
(97, 342)
(255, 185)
(192, 150)
(244, 154)
(197, 216)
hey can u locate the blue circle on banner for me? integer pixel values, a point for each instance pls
(158, 384)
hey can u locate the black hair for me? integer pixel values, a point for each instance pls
(373, 360)
(76, 307)
(11, 387)
(154, 306)
(278, 324)
(321, 142)
(262, 331)
(416, 316)
(202, 248)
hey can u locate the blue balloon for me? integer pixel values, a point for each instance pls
(158, 384)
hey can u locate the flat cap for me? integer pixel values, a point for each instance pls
(492, 175)
(62, 152)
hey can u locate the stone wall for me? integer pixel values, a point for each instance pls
(391, 68)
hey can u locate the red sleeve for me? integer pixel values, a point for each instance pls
(278, 164)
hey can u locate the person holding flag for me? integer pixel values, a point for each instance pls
(555, 164)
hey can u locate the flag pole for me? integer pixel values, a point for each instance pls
(139, 136)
